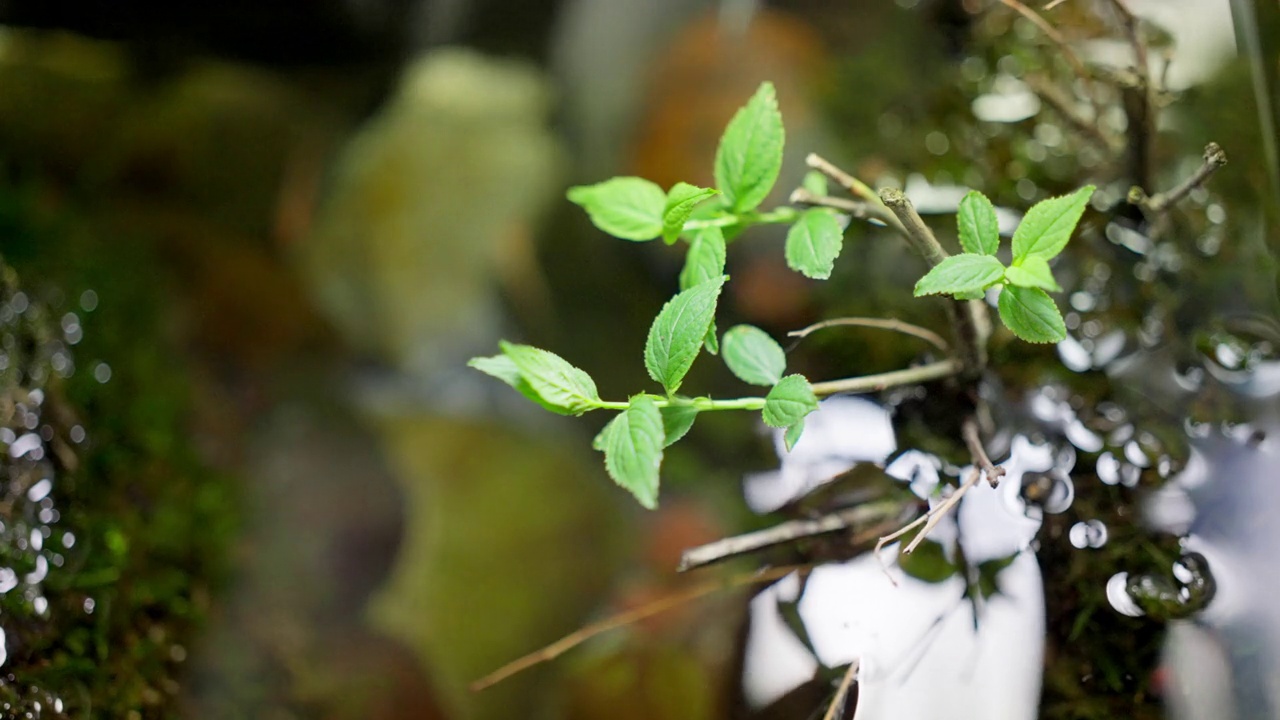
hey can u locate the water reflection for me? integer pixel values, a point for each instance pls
(957, 644)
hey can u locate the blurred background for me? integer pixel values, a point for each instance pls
(248, 248)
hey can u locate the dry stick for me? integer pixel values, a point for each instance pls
(968, 318)
(785, 532)
(1214, 158)
(854, 208)
(1053, 5)
(883, 381)
(1052, 33)
(969, 431)
(838, 701)
(898, 326)
(622, 619)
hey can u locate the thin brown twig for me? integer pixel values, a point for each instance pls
(969, 431)
(854, 208)
(859, 515)
(1063, 105)
(875, 208)
(935, 516)
(1052, 33)
(895, 378)
(1214, 158)
(628, 617)
(837, 702)
(892, 325)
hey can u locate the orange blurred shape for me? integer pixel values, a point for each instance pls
(709, 72)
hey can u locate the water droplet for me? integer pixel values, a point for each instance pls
(89, 605)
(76, 434)
(40, 605)
(89, 300)
(1090, 534)
(102, 372)
(68, 540)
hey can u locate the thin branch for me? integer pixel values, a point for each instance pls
(1214, 158)
(859, 515)
(1052, 33)
(837, 702)
(935, 515)
(859, 189)
(982, 465)
(1053, 5)
(890, 324)
(969, 431)
(968, 318)
(628, 617)
(1063, 105)
(883, 381)
(854, 208)
(914, 229)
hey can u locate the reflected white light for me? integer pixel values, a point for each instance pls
(775, 660)
(39, 490)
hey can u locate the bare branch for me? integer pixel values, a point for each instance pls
(837, 702)
(1052, 33)
(622, 619)
(893, 325)
(877, 513)
(875, 208)
(935, 515)
(1214, 158)
(882, 381)
(916, 232)
(854, 208)
(969, 431)
(1063, 105)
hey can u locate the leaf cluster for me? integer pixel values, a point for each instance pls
(747, 165)
(1025, 306)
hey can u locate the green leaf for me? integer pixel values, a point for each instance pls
(553, 382)
(633, 443)
(1048, 225)
(750, 152)
(792, 436)
(964, 273)
(677, 333)
(789, 401)
(1032, 272)
(711, 342)
(928, 562)
(676, 421)
(814, 243)
(504, 368)
(754, 356)
(630, 208)
(976, 218)
(681, 201)
(1031, 314)
(705, 259)
(815, 182)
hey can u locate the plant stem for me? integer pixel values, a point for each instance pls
(773, 217)
(701, 403)
(890, 324)
(862, 515)
(968, 318)
(881, 381)
(1214, 158)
